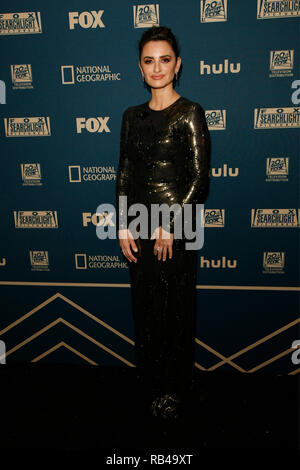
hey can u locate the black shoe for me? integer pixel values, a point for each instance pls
(167, 406)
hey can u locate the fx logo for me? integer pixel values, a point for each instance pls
(86, 19)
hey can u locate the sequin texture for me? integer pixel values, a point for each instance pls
(164, 158)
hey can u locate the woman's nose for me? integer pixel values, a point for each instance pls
(156, 67)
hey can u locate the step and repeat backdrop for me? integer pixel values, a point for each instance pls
(68, 71)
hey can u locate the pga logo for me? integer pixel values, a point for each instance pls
(86, 19)
(98, 124)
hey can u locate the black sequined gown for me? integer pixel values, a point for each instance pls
(164, 158)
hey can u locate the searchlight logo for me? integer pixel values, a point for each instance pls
(277, 9)
(275, 218)
(35, 219)
(20, 23)
(27, 126)
(276, 118)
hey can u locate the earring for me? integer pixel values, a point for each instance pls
(176, 75)
(143, 78)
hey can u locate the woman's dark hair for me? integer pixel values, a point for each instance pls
(159, 33)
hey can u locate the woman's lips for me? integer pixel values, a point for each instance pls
(157, 77)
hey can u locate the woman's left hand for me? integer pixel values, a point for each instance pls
(163, 244)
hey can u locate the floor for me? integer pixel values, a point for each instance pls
(83, 407)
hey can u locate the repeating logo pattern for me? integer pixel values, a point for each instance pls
(77, 94)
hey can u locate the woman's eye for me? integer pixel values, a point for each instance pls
(149, 61)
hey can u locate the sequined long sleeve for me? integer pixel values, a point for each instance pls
(123, 180)
(198, 160)
(164, 159)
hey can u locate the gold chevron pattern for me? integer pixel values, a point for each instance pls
(62, 344)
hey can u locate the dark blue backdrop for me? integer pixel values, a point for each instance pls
(65, 294)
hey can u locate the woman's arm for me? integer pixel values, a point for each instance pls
(123, 182)
(198, 142)
(124, 171)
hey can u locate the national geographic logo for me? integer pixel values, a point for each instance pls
(87, 73)
(39, 260)
(216, 119)
(281, 63)
(92, 125)
(84, 261)
(27, 126)
(223, 171)
(273, 262)
(277, 168)
(276, 118)
(78, 174)
(86, 19)
(145, 16)
(275, 218)
(20, 23)
(212, 11)
(277, 9)
(31, 174)
(220, 263)
(21, 76)
(214, 218)
(35, 219)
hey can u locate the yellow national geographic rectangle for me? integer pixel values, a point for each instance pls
(276, 118)
(27, 126)
(28, 22)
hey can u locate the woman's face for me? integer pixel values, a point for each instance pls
(158, 63)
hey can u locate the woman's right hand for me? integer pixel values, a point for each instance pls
(127, 243)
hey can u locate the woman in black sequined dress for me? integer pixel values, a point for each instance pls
(164, 158)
